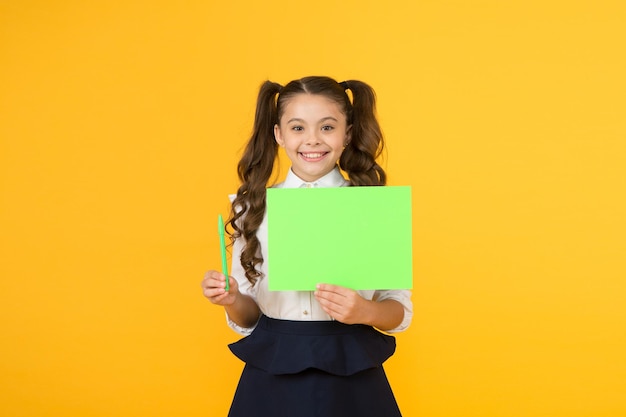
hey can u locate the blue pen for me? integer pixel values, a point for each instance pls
(220, 227)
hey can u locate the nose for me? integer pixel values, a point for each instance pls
(312, 139)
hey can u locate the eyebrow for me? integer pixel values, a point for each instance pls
(295, 119)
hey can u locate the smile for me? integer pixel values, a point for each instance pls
(312, 156)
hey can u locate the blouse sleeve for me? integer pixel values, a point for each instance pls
(404, 298)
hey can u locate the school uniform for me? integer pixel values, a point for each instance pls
(299, 361)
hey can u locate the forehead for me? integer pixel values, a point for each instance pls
(311, 106)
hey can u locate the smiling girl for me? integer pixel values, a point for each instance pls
(307, 353)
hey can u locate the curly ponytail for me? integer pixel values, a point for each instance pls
(366, 144)
(254, 170)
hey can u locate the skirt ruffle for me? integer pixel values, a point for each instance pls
(283, 347)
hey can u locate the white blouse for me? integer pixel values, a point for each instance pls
(300, 305)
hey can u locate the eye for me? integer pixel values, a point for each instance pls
(297, 128)
(327, 128)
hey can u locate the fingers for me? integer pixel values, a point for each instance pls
(213, 279)
(331, 299)
(340, 303)
(332, 288)
(333, 293)
(213, 286)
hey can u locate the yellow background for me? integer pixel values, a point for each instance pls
(121, 123)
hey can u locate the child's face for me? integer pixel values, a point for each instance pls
(314, 132)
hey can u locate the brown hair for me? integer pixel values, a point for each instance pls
(358, 159)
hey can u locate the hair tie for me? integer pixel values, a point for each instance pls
(344, 85)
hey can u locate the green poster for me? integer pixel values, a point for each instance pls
(356, 237)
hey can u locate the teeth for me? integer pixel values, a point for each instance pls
(313, 155)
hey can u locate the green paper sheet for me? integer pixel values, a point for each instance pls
(356, 237)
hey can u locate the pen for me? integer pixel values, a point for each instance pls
(220, 227)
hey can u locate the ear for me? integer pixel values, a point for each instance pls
(277, 136)
(348, 136)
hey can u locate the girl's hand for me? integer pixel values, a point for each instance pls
(343, 304)
(213, 287)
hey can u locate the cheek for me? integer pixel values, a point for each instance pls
(341, 142)
(291, 147)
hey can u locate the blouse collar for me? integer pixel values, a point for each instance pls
(332, 179)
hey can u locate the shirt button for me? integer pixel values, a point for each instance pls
(306, 313)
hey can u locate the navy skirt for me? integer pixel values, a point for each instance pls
(318, 368)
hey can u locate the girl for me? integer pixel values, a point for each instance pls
(307, 353)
